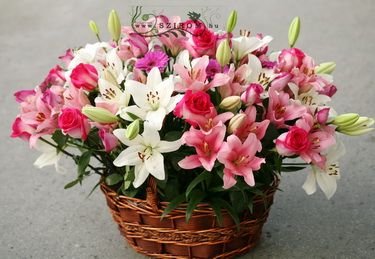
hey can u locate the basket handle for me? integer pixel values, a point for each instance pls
(151, 194)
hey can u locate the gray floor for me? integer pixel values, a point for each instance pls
(39, 219)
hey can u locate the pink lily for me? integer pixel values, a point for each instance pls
(251, 126)
(237, 82)
(239, 159)
(206, 145)
(281, 108)
(193, 74)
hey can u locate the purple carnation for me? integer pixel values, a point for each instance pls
(153, 59)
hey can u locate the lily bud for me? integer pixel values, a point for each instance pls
(346, 119)
(114, 25)
(361, 126)
(325, 68)
(94, 27)
(132, 130)
(236, 122)
(99, 114)
(232, 20)
(294, 31)
(223, 53)
(230, 103)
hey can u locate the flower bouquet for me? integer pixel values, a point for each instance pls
(188, 129)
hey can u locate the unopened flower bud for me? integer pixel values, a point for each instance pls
(325, 68)
(230, 103)
(294, 31)
(223, 53)
(236, 122)
(346, 119)
(132, 130)
(94, 27)
(99, 114)
(359, 127)
(232, 20)
(114, 25)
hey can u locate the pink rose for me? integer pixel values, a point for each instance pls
(84, 76)
(204, 41)
(74, 123)
(289, 59)
(296, 140)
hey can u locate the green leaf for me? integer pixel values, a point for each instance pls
(217, 209)
(113, 179)
(133, 116)
(83, 162)
(71, 184)
(291, 168)
(173, 135)
(200, 178)
(196, 197)
(173, 204)
(94, 188)
(224, 204)
(59, 138)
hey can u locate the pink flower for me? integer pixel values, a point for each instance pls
(281, 81)
(138, 44)
(213, 68)
(67, 57)
(281, 108)
(236, 83)
(207, 147)
(75, 98)
(55, 77)
(289, 59)
(193, 105)
(239, 159)
(307, 141)
(84, 76)
(38, 113)
(252, 94)
(24, 95)
(203, 40)
(72, 122)
(153, 59)
(109, 140)
(193, 76)
(251, 126)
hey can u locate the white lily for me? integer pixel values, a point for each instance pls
(245, 45)
(145, 154)
(311, 99)
(257, 74)
(49, 155)
(90, 54)
(153, 100)
(326, 179)
(111, 93)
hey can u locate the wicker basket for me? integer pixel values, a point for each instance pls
(139, 222)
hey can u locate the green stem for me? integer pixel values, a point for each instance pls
(70, 155)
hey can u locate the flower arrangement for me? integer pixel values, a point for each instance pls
(210, 115)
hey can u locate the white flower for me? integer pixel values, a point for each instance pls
(326, 179)
(144, 153)
(259, 75)
(49, 155)
(90, 54)
(153, 100)
(245, 45)
(311, 99)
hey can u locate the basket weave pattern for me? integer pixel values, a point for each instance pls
(140, 223)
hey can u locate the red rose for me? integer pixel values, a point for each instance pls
(297, 140)
(84, 76)
(72, 122)
(192, 105)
